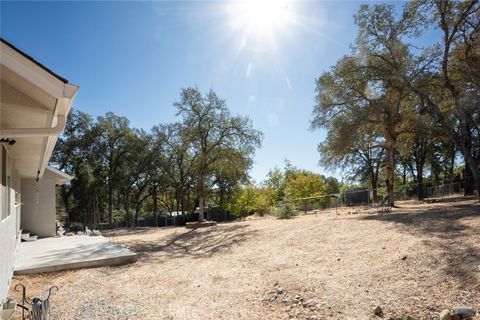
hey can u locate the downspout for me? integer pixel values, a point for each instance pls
(35, 132)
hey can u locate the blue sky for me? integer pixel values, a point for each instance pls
(133, 58)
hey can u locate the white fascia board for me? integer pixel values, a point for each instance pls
(28, 70)
(70, 90)
(63, 107)
(47, 153)
(62, 177)
(63, 92)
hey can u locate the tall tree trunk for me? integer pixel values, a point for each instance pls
(458, 139)
(472, 166)
(390, 173)
(420, 158)
(110, 203)
(126, 202)
(451, 170)
(420, 193)
(189, 201)
(96, 223)
(154, 198)
(182, 203)
(468, 181)
(201, 207)
(201, 195)
(221, 201)
(137, 211)
(374, 188)
(66, 202)
(177, 200)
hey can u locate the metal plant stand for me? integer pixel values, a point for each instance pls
(39, 308)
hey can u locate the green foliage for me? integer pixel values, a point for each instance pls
(348, 186)
(332, 186)
(118, 169)
(382, 99)
(305, 184)
(119, 215)
(214, 134)
(382, 193)
(285, 210)
(274, 184)
(250, 200)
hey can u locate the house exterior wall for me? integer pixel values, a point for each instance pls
(39, 207)
(34, 105)
(9, 240)
(9, 219)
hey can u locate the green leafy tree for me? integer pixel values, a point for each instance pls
(416, 146)
(358, 93)
(332, 185)
(138, 169)
(178, 166)
(274, 185)
(444, 76)
(360, 154)
(250, 200)
(112, 146)
(75, 153)
(226, 178)
(212, 127)
(303, 185)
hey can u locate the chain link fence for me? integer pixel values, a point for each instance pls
(365, 197)
(353, 197)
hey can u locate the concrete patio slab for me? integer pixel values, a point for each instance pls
(63, 253)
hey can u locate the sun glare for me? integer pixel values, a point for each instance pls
(260, 31)
(261, 17)
(264, 14)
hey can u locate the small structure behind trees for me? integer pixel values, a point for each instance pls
(357, 196)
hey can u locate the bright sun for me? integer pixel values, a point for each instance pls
(261, 17)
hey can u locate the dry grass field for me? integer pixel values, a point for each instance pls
(417, 260)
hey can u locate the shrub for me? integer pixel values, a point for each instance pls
(76, 226)
(285, 210)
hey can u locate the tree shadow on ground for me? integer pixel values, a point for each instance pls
(450, 199)
(127, 231)
(453, 229)
(198, 243)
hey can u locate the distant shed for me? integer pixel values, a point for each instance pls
(356, 197)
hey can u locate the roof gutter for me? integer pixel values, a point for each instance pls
(35, 132)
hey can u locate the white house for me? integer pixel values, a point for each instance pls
(34, 103)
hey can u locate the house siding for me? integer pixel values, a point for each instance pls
(39, 209)
(10, 219)
(9, 240)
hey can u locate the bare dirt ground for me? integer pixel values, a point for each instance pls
(417, 260)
